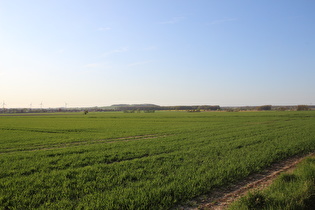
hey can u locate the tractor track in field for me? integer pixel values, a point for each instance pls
(89, 142)
(221, 198)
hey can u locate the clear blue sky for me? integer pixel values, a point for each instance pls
(166, 52)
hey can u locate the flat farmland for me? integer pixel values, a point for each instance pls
(139, 160)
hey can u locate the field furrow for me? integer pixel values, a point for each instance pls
(81, 143)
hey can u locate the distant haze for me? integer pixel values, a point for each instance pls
(79, 53)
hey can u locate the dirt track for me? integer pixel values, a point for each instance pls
(221, 198)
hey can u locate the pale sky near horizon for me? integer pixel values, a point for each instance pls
(164, 52)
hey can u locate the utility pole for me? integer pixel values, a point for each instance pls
(3, 104)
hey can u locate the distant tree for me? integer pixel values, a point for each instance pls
(282, 108)
(210, 108)
(302, 108)
(264, 108)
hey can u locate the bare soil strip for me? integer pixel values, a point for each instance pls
(79, 143)
(221, 198)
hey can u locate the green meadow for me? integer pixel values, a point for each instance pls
(139, 160)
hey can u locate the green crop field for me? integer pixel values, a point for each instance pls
(139, 160)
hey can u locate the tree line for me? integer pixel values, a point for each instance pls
(149, 108)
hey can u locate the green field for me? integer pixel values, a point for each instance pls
(139, 160)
